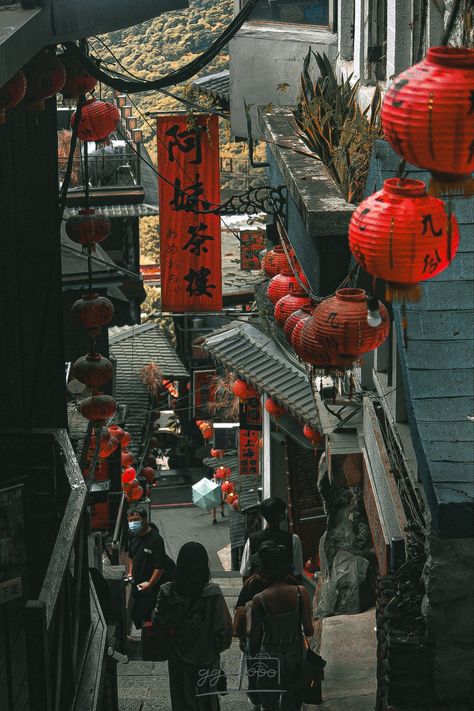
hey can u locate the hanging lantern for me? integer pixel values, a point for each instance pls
(98, 407)
(207, 432)
(227, 487)
(281, 285)
(93, 311)
(128, 475)
(338, 332)
(117, 432)
(230, 498)
(312, 434)
(98, 120)
(296, 339)
(295, 317)
(93, 370)
(149, 474)
(274, 409)
(126, 439)
(126, 458)
(427, 117)
(235, 503)
(12, 93)
(87, 227)
(288, 304)
(243, 391)
(78, 80)
(403, 236)
(135, 493)
(222, 472)
(218, 453)
(45, 77)
(107, 445)
(274, 261)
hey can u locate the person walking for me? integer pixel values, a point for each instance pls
(148, 565)
(279, 616)
(195, 612)
(273, 511)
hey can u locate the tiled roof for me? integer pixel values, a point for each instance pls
(214, 85)
(258, 358)
(133, 347)
(133, 210)
(438, 368)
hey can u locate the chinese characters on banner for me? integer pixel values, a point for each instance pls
(253, 241)
(203, 392)
(190, 244)
(250, 419)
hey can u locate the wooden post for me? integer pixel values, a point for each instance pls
(39, 678)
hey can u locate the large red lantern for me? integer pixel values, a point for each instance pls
(98, 407)
(93, 311)
(283, 284)
(427, 117)
(230, 498)
(274, 261)
(135, 493)
(338, 332)
(127, 458)
(12, 93)
(290, 303)
(227, 487)
(149, 474)
(45, 77)
(296, 339)
(78, 80)
(296, 317)
(98, 120)
(87, 227)
(93, 370)
(128, 475)
(312, 434)
(274, 409)
(222, 472)
(402, 235)
(243, 391)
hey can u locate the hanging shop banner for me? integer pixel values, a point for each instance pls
(190, 243)
(252, 242)
(203, 392)
(250, 420)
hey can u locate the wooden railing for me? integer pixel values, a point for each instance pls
(58, 622)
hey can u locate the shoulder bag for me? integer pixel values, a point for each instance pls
(310, 671)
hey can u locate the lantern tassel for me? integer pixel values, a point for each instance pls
(461, 186)
(400, 292)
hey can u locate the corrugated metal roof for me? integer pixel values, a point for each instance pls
(438, 367)
(258, 358)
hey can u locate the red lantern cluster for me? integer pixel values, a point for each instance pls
(78, 80)
(403, 236)
(45, 77)
(243, 391)
(88, 228)
(274, 409)
(338, 332)
(288, 304)
(12, 93)
(274, 261)
(98, 120)
(427, 116)
(282, 284)
(295, 317)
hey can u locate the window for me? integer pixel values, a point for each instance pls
(302, 12)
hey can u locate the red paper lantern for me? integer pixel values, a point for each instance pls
(87, 227)
(289, 304)
(296, 339)
(98, 407)
(274, 409)
(338, 332)
(93, 370)
(128, 475)
(98, 120)
(149, 474)
(12, 93)
(427, 116)
(296, 317)
(274, 261)
(45, 77)
(207, 433)
(127, 458)
(117, 432)
(243, 391)
(93, 311)
(222, 472)
(402, 235)
(230, 498)
(218, 453)
(312, 434)
(227, 487)
(281, 285)
(78, 80)
(135, 493)
(126, 439)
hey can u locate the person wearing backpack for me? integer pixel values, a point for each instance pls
(194, 612)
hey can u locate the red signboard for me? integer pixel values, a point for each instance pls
(190, 244)
(250, 419)
(203, 391)
(252, 242)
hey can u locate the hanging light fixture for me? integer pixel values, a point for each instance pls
(274, 261)
(87, 227)
(93, 370)
(289, 304)
(296, 317)
(131, 123)
(121, 100)
(98, 120)
(403, 236)
(282, 284)
(11, 94)
(427, 117)
(97, 408)
(93, 311)
(137, 135)
(274, 409)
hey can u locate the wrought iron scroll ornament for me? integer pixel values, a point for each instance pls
(255, 200)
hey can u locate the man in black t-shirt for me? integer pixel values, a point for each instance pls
(149, 566)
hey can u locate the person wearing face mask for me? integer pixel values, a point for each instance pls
(149, 565)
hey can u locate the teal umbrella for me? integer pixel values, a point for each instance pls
(206, 494)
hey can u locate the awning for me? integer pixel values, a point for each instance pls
(214, 85)
(258, 358)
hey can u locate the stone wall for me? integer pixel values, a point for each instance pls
(448, 608)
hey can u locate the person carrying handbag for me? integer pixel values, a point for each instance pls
(194, 613)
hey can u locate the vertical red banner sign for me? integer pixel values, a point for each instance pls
(250, 420)
(252, 242)
(190, 244)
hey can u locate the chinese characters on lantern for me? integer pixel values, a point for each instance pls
(190, 245)
(250, 419)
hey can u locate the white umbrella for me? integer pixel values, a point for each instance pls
(206, 494)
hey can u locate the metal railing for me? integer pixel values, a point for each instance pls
(106, 169)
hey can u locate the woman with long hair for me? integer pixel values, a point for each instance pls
(195, 612)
